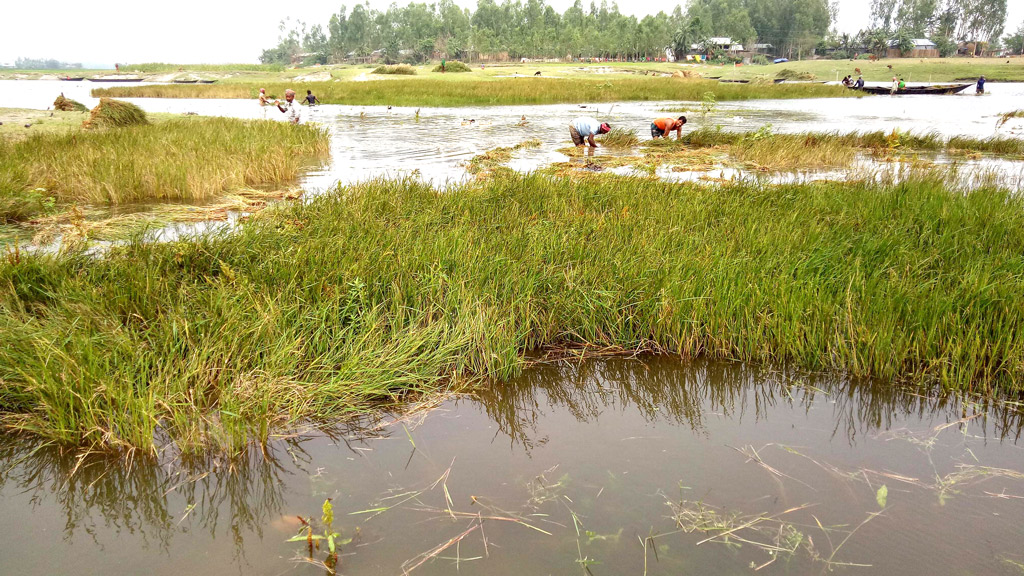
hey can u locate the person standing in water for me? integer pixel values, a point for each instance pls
(583, 130)
(661, 127)
(264, 102)
(981, 86)
(290, 108)
(311, 99)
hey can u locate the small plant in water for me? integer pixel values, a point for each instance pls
(332, 538)
(708, 105)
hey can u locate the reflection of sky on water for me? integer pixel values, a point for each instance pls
(614, 441)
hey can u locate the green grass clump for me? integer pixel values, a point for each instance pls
(620, 138)
(193, 159)
(400, 69)
(110, 113)
(453, 66)
(437, 91)
(319, 310)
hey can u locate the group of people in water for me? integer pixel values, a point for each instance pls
(583, 130)
(290, 108)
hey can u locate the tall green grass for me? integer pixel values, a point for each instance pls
(193, 159)
(784, 144)
(319, 310)
(509, 91)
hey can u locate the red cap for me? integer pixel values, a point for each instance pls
(606, 127)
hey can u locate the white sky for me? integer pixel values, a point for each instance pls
(212, 31)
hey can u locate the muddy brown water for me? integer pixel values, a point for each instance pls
(599, 456)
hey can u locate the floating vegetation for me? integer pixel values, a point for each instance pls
(484, 165)
(772, 534)
(1007, 116)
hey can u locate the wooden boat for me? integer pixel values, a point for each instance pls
(185, 81)
(734, 81)
(69, 79)
(918, 90)
(101, 79)
(207, 81)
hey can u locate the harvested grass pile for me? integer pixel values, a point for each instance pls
(68, 105)
(620, 138)
(790, 74)
(454, 66)
(401, 69)
(115, 114)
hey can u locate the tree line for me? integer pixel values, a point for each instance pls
(532, 29)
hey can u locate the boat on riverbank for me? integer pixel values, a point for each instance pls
(918, 90)
(102, 79)
(70, 79)
(185, 81)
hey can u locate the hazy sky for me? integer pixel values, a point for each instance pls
(212, 31)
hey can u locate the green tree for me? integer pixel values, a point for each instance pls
(1014, 43)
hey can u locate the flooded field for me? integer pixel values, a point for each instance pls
(435, 144)
(648, 466)
(615, 467)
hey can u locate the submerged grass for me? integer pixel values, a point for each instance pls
(194, 159)
(620, 138)
(357, 299)
(439, 92)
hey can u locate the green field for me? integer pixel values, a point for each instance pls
(363, 297)
(912, 69)
(414, 91)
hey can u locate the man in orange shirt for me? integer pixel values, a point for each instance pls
(662, 126)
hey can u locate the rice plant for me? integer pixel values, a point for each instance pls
(391, 289)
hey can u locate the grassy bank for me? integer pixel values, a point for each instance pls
(186, 159)
(320, 310)
(508, 91)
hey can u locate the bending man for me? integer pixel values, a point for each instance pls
(583, 130)
(661, 127)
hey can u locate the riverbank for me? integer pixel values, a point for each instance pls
(435, 92)
(1009, 69)
(363, 297)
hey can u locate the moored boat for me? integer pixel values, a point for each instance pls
(918, 90)
(185, 81)
(102, 79)
(70, 79)
(207, 81)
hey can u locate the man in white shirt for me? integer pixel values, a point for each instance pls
(290, 107)
(583, 130)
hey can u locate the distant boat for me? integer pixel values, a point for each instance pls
(185, 81)
(101, 79)
(70, 79)
(918, 90)
(734, 81)
(207, 81)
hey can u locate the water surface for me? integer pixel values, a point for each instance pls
(600, 456)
